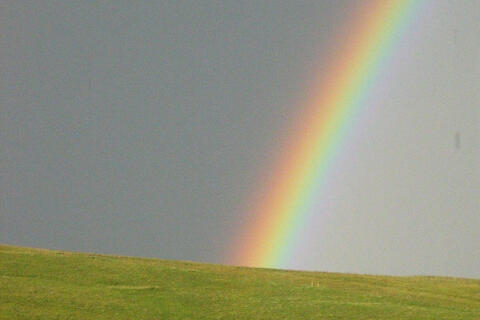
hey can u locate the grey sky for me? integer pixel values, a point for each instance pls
(140, 129)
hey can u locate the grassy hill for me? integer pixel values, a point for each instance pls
(46, 284)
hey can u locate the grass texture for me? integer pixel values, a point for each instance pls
(47, 284)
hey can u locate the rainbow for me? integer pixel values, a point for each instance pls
(284, 203)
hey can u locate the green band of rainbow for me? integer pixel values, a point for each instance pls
(316, 138)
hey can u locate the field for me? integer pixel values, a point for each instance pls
(46, 284)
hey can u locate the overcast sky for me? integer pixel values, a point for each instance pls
(140, 129)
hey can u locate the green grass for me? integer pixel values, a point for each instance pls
(46, 284)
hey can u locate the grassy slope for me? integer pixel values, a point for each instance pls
(44, 284)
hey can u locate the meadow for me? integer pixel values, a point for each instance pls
(48, 284)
